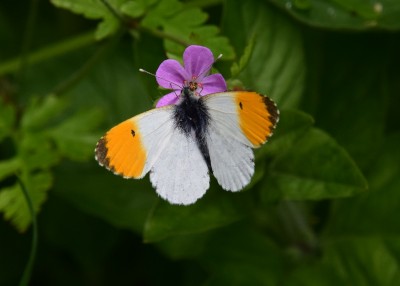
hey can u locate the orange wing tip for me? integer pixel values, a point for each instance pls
(259, 121)
(121, 150)
(101, 157)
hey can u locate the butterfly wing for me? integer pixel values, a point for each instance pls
(239, 121)
(151, 142)
(181, 174)
(130, 148)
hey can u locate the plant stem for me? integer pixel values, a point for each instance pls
(29, 30)
(49, 52)
(154, 32)
(297, 226)
(163, 35)
(26, 276)
(113, 11)
(202, 3)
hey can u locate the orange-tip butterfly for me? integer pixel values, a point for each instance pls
(181, 144)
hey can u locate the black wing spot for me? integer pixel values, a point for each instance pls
(133, 133)
(241, 105)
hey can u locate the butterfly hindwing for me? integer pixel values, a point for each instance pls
(181, 175)
(232, 161)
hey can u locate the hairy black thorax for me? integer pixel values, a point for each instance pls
(192, 118)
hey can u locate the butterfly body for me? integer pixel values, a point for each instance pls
(192, 118)
(180, 145)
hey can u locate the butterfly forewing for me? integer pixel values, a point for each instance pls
(244, 116)
(130, 148)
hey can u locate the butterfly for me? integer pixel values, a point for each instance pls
(181, 144)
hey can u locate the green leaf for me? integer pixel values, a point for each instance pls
(314, 274)
(115, 86)
(41, 112)
(94, 190)
(94, 9)
(236, 68)
(364, 261)
(136, 8)
(9, 167)
(240, 255)
(277, 66)
(7, 119)
(73, 137)
(13, 203)
(360, 127)
(205, 35)
(37, 152)
(351, 261)
(375, 212)
(161, 13)
(216, 209)
(344, 14)
(315, 168)
(291, 126)
(171, 15)
(189, 246)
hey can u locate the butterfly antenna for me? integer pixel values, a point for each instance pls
(210, 66)
(156, 76)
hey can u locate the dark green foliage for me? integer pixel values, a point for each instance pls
(323, 206)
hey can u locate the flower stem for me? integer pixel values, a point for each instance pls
(202, 3)
(48, 52)
(27, 41)
(164, 35)
(297, 227)
(113, 11)
(154, 32)
(26, 276)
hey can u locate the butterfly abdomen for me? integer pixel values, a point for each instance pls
(192, 118)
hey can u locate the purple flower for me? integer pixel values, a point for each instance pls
(197, 61)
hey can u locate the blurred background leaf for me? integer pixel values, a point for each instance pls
(214, 211)
(314, 167)
(344, 14)
(94, 9)
(275, 68)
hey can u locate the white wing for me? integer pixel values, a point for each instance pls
(224, 115)
(180, 175)
(232, 162)
(157, 133)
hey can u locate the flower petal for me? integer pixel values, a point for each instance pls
(212, 84)
(197, 60)
(168, 99)
(170, 74)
